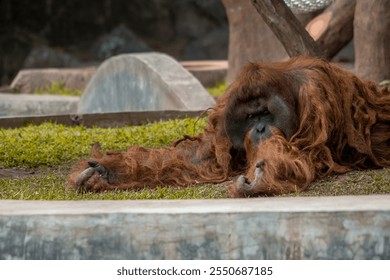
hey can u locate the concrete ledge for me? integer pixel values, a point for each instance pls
(19, 104)
(209, 72)
(263, 228)
(29, 80)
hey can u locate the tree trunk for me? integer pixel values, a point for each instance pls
(333, 29)
(250, 39)
(372, 39)
(287, 28)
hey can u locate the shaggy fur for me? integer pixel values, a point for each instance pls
(343, 124)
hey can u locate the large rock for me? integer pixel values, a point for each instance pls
(118, 41)
(210, 45)
(44, 56)
(142, 82)
(75, 27)
(15, 45)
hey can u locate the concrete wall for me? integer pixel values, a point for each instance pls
(262, 228)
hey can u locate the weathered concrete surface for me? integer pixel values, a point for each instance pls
(12, 104)
(142, 82)
(208, 72)
(262, 228)
(29, 80)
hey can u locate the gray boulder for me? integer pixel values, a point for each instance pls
(120, 40)
(44, 57)
(143, 82)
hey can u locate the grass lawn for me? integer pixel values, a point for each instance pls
(39, 159)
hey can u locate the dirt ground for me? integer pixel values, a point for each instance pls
(15, 173)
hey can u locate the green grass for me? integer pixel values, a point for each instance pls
(51, 145)
(218, 90)
(352, 183)
(51, 186)
(50, 150)
(58, 88)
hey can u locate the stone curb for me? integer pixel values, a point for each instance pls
(36, 104)
(345, 227)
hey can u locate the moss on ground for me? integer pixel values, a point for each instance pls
(58, 88)
(50, 150)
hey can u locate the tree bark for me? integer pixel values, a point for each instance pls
(290, 32)
(333, 29)
(372, 39)
(250, 39)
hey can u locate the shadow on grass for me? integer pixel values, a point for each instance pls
(49, 184)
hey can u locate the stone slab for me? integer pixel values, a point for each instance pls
(342, 227)
(208, 72)
(142, 82)
(106, 120)
(12, 104)
(29, 80)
